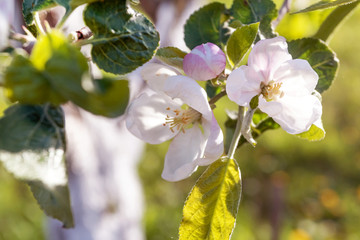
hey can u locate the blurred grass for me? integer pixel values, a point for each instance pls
(20, 216)
(293, 189)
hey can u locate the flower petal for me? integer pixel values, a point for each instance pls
(204, 62)
(267, 55)
(215, 143)
(180, 160)
(294, 114)
(155, 75)
(146, 116)
(242, 85)
(190, 92)
(297, 77)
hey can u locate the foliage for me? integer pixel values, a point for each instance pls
(122, 41)
(321, 58)
(216, 193)
(33, 151)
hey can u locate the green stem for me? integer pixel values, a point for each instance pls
(237, 133)
(90, 40)
(333, 20)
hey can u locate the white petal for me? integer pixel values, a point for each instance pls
(215, 143)
(146, 116)
(297, 77)
(267, 55)
(155, 75)
(242, 85)
(294, 114)
(180, 160)
(190, 92)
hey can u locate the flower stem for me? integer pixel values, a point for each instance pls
(237, 133)
(38, 24)
(217, 97)
(246, 126)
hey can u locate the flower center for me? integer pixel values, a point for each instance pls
(271, 91)
(183, 119)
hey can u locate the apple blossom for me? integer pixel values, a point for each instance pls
(284, 85)
(155, 75)
(204, 62)
(183, 113)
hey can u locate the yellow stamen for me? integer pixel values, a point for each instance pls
(271, 91)
(184, 118)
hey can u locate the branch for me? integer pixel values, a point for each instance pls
(285, 8)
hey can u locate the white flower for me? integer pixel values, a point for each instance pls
(284, 86)
(204, 62)
(181, 112)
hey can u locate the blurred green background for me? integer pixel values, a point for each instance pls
(292, 189)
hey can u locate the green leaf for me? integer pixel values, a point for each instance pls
(109, 97)
(31, 6)
(211, 208)
(252, 11)
(68, 71)
(72, 4)
(123, 39)
(27, 84)
(58, 72)
(326, 4)
(240, 42)
(206, 25)
(5, 61)
(171, 56)
(321, 58)
(333, 21)
(32, 146)
(313, 134)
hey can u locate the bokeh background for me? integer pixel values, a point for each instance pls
(292, 189)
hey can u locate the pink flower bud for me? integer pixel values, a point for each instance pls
(204, 62)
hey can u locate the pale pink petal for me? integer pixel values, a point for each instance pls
(297, 77)
(267, 55)
(215, 143)
(242, 85)
(190, 92)
(296, 114)
(155, 75)
(180, 160)
(204, 62)
(146, 116)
